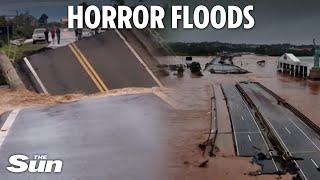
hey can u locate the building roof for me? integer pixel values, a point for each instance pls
(289, 58)
(292, 57)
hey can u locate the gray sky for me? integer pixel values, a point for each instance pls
(277, 21)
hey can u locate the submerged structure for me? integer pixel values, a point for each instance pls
(315, 71)
(305, 67)
(294, 66)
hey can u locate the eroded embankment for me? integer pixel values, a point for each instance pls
(9, 73)
(21, 98)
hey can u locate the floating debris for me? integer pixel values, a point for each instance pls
(204, 164)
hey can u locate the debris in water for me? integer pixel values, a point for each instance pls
(261, 63)
(204, 164)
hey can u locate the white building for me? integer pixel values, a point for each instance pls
(298, 67)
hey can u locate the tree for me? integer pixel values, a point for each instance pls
(23, 25)
(3, 20)
(43, 20)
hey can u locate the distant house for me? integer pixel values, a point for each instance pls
(295, 66)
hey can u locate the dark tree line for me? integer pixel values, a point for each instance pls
(211, 48)
(21, 26)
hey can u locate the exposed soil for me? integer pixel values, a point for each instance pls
(12, 99)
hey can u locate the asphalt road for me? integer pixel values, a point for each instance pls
(295, 136)
(95, 64)
(106, 138)
(114, 61)
(248, 137)
(60, 72)
(225, 68)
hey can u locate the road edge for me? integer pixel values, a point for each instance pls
(7, 125)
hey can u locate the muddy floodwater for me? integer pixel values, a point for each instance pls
(188, 124)
(303, 94)
(192, 96)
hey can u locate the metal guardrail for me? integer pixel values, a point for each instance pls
(271, 135)
(295, 111)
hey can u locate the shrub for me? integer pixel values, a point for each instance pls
(1, 43)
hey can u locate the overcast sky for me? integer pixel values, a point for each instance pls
(277, 21)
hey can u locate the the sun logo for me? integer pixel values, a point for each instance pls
(40, 164)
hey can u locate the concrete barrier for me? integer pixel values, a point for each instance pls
(10, 73)
(295, 111)
(271, 135)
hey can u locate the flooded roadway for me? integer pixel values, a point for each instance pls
(298, 139)
(188, 126)
(194, 94)
(302, 94)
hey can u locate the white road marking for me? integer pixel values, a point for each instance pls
(249, 138)
(304, 134)
(264, 140)
(234, 131)
(242, 118)
(8, 123)
(34, 73)
(315, 163)
(274, 163)
(284, 145)
(139, 58)
(287, 130)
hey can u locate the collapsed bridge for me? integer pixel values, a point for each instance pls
(263, 122)
(105, 61)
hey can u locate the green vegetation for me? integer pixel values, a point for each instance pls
(20, 52)
(43, 20)
(21, 25)
(280, 49)
(211, 48)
